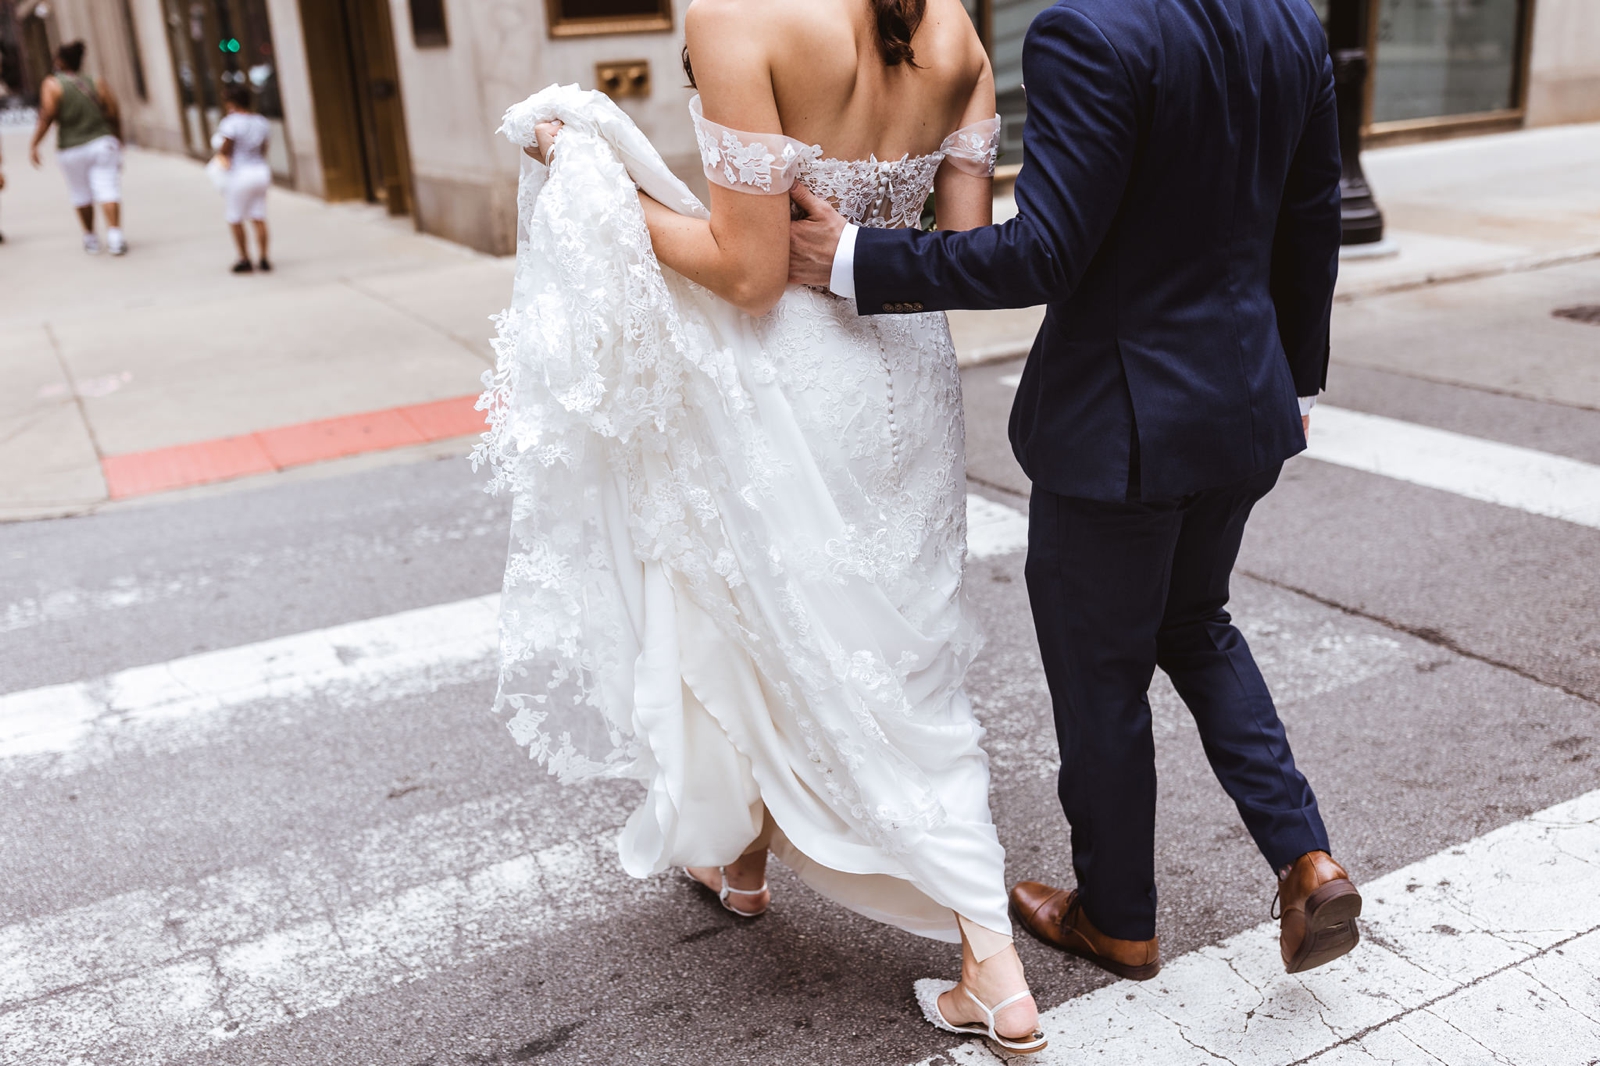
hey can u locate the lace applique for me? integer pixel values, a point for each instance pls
(764, 164)
(890, 193)
(974, 148)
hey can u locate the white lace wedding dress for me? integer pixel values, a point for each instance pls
(737, 547)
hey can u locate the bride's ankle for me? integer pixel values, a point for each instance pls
(750, 871)
(1002, 968)
(998, 978)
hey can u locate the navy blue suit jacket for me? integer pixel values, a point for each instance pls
(1179, 214)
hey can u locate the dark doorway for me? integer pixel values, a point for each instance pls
(355, 88)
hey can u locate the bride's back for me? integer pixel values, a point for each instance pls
(829, 77)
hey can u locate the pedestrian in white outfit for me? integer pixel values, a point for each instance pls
(88, 144)
(244, 134)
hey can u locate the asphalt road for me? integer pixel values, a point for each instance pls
(1436, 659)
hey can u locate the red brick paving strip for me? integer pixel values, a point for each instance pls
(164, 469)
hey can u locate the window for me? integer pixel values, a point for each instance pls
(1441, 58)
(581, 18)
(428, 29)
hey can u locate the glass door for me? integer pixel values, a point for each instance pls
(196, 92)
(218, 45)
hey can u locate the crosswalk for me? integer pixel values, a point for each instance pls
(1488, 951)
(156, 974)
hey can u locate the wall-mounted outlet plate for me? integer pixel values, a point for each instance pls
(623, 78)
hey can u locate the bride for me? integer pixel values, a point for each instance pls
(740, 530)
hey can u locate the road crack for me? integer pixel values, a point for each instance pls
(1427, 634)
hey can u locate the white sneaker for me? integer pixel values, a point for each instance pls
(91, 244)
(118, 244)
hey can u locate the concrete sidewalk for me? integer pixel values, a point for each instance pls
(106, 358)
(1480, 206)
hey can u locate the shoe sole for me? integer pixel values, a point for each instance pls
(1123, 970)
(1331, 928)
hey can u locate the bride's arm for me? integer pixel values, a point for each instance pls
(742, 253)
(962, 200)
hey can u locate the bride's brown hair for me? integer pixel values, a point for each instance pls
(897, 22)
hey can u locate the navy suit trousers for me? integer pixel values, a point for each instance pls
(1118, 589)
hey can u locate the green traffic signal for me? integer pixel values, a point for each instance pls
(230, 45)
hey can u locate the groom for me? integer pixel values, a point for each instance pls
(1179, 213)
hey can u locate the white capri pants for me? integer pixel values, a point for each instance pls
(245, 195)
(93, 171)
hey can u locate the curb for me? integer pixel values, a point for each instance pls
(1470, 273)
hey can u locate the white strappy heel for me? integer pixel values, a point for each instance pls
(928, 992)
(729, 890)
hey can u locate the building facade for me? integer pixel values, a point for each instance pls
(396, 101)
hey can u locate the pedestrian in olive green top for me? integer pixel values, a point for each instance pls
(88, 145)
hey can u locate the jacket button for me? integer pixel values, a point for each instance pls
(889, 307)
(916, 306)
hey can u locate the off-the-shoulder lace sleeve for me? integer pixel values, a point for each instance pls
(974, 148)
(765, 164)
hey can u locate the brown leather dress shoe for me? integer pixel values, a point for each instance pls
(1056, 917)
(1320, 907)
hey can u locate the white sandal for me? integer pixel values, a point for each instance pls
(928, 992)
(729, 890)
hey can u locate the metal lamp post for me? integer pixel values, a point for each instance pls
(1347, 40)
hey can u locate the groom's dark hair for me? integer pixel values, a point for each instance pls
(897, 22)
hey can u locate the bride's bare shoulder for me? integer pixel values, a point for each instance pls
(766, 24)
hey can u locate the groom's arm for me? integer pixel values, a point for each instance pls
(1078, 149)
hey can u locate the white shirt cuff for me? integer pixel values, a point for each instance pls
(842, 281)
(1306, 404)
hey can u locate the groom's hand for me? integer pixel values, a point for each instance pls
(813, 239)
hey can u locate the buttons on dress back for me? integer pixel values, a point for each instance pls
(883, 202)
(888, 377)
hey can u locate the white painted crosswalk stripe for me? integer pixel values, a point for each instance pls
(150, 975)
(1484, 953)
(1504, 474)
(176, 705)
(173, 705)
